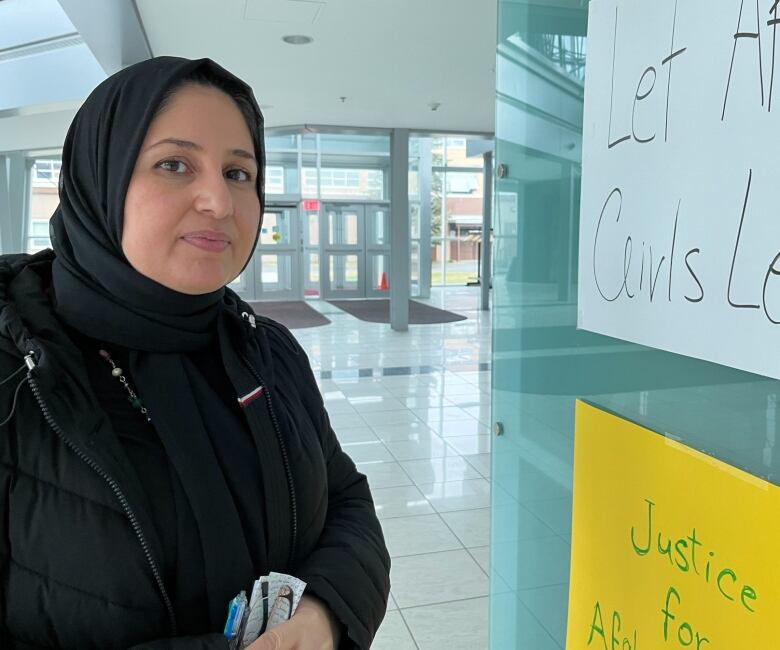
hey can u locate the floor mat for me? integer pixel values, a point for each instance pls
(378, 311)
(293, 314)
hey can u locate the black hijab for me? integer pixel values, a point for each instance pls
(97, 292)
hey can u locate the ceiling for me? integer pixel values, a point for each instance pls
(389, 59)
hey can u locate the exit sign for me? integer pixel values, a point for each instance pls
(311, 205)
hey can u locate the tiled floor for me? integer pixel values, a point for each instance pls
(413, 411)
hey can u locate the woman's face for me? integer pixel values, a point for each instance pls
(192, 210)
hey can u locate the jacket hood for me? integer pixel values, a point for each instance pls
(25, 309)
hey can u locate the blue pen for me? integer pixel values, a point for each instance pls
(236, 610)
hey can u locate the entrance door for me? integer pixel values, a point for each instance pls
(377, 251)
(310, 231)
(355, 251)
(277, 260)
(342, 235)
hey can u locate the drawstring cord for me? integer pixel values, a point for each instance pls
(16, 393)
(12, 375)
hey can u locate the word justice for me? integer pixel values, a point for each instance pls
(686, 554)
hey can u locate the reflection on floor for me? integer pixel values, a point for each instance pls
(413, 411)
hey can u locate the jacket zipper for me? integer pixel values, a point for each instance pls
(30, 361)
(285, 459)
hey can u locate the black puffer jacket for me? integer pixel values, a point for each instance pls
(79, 565)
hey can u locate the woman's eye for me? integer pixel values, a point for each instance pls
(239, 175)
(176, 166)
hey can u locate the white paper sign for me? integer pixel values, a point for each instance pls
(680, 218)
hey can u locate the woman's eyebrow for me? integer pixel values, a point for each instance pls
(187, 144)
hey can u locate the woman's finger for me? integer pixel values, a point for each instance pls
(271, 640)
(282, 637)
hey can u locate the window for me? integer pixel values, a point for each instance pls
(46, 173)
(44, 199)
(462, 183)
(274, 180)
(344, 183)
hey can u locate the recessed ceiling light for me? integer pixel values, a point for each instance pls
(297, 39)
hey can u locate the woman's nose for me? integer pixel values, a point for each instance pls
(213, 195)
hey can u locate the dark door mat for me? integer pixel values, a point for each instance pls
(293, 314)
(377, 310)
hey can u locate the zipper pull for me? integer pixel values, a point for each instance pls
(30, 360)
(250, 318)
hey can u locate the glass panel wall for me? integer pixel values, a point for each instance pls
(446, 191)
(542, 362)
(44, 199)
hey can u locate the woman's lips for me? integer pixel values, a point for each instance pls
(208, 241)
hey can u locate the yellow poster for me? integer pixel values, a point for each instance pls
(670, 547)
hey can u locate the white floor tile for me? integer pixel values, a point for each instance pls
(346, 420)
(459, 390)
(439, 470)
(436, 577)
(458, 495)
(391, 604)
(333, 406)
(391, 432)
(423, 402)
(365, 389)
(426, 447)
(480, 412)
(466, 400)
(465, 426)
(347, 435)
(402, 392)
(482, 555)
(470, 445)
(384, 418)
(393, 634)
(465, 622)
(376, 404)
(400, 502)
(384, 474)
(417, 535)
(471, 526)
(441, 414)
(362, 452)
(480, 462)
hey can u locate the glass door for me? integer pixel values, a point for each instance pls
(377, 251)
(277, 260)
(310, 234)
(343, 264)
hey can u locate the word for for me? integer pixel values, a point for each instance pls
(685, 633)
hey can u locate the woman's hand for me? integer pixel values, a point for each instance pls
(313, 627)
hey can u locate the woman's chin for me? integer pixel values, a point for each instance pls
(195, 286)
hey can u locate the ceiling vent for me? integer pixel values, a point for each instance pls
(41, 47)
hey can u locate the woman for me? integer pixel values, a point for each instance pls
(162, 446)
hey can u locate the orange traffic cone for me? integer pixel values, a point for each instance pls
(383, 282)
